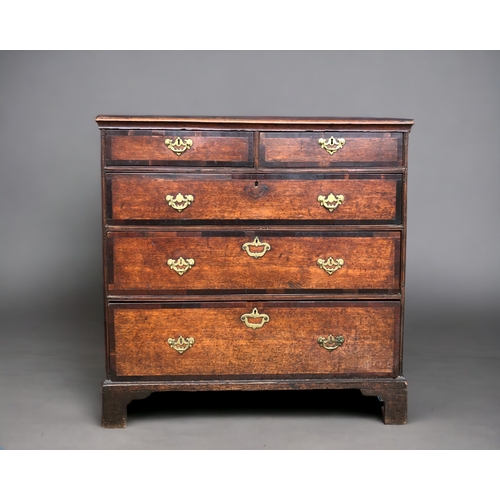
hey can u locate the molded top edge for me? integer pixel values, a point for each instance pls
(261, 120)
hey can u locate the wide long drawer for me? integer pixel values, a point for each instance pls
(156, 262)
(264, 339)
(331, 149)
(171, 199)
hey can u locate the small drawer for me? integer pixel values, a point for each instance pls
(331, 149)
(264, 339)
(170, 199)
(175, 147)
(292, 262)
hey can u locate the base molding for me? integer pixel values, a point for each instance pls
(117, 395)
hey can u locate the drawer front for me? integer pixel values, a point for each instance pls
(171, 199)
(247, 261)
(326, 149)
(173, 147)
(214, 341)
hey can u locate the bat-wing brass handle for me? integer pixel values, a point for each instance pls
(330, 265)
(181, 265)
(331, 202)
(331, 145)
(254, 319)
(179, 202)
(181, 345)
(178, 146)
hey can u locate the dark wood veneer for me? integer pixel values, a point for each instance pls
(258, 176)
(303, 150)
(140, 261)
(208, 148)
(287, 344)
(116, 395)
(142, 198)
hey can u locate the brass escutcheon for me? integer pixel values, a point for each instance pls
(179, 202)
(181, 345)
(330, 265)
(331, 343)
(181, 265)
(331, 145)
(331, 202)
(178, 146)
(254, 315)
(256, 243)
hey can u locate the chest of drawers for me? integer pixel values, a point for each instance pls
(253, 254)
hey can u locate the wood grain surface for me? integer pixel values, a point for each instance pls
(116, 395)
(303, 149)
(139, 261)
(208, 148)
(142, 197)
(287, 344)
(251, 177)
(110, 121)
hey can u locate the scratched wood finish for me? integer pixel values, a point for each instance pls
(253, 176)
(139, 261)
(391, 392)
(208, 148)
(286, 344)
(259, 122)
(295, 149)
(142, 197)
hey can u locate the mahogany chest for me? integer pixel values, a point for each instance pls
(253, 254)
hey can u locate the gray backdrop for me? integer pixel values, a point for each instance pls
(51, 286)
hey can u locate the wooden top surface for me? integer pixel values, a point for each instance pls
(253, 122)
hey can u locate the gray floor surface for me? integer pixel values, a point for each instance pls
(51, 372)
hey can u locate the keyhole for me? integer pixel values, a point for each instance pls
(256, 183)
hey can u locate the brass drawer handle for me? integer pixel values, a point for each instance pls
(256, 243)
(181, 265)
(178, 146)
(264, 318)
(330, 265)
(331, 343)
(181, 345)
(179, 202)
(331, 145)
(331, 202)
